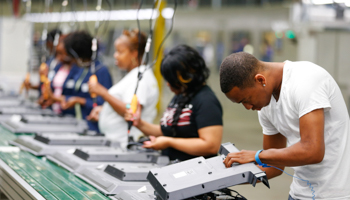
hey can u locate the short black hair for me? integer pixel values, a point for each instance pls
(238, 70)
(51, 35)
(78, 44)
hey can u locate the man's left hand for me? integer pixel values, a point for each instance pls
(241, 157)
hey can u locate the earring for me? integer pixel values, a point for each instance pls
(264, 85)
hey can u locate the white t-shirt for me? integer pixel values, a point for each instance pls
(111, 123)
(307, 87)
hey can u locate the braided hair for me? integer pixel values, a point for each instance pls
(185, 70)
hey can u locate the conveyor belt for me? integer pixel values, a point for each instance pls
(10, 134)
(50, 180)
(5, 136)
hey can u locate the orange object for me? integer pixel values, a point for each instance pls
(46, 85)
(93, 79)
(133, 104)
(133, 107)
(43, 71)
(26, 81)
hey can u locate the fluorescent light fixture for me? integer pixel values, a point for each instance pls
(322, 2)
(81, 16)
(346, 2)
(167, 13)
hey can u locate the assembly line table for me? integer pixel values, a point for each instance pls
(25, 176)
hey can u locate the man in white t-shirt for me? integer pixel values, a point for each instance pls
(304, 120)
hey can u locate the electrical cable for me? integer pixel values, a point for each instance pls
(307, 182)
(139, 29)
(85, 12)
(93, 77)
(106, 22)
(29, 69)
(74, 11)
(258, 161)
(57, 35)
(166, 36)
(160, 46)
(134, 101)
(145, 57)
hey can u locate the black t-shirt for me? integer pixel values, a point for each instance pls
(203, 110)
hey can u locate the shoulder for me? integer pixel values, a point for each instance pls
(58, 66)
(205, 91)
(305, 69)
(101, 68)
(206, 97)
(149, 74)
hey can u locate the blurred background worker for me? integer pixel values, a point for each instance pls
(128, 54)
(51, 60)
(192, 124)
(70, 82)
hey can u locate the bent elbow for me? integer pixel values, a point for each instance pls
(214, 150)
(317, 158)
(279, 172)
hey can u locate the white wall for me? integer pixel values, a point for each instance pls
(15, 38)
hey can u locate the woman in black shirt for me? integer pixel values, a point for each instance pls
(192, 124)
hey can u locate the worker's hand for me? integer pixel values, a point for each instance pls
(46, 92)
(47, 103)
(72, 101)
(136, 118)
(157, 143)
(241, 157)
(94, 114)
(27, 85)
(97, 88)
(43, 71)
(44, 103)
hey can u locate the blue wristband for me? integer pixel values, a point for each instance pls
(257, 159)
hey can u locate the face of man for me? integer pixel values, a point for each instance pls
(252, 98)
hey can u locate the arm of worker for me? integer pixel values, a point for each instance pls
(70, 101)
(309, 150)
(209, 124)
(118, 105)
(207, 144)
(28, 85)
(146, 128)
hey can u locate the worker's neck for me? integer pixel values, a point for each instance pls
(274, 73)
